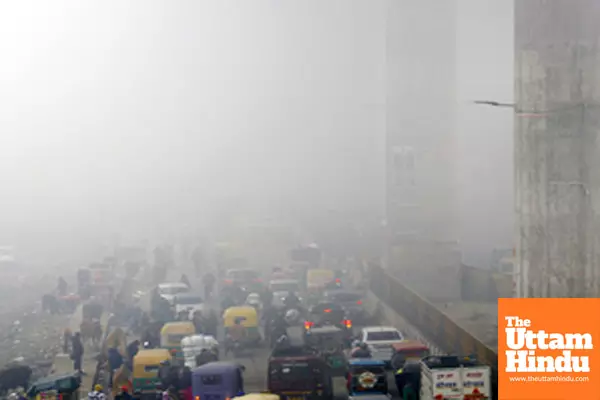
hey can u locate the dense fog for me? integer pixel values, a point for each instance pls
(135, 118)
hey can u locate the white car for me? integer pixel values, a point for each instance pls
(170, 290)
(380, 340)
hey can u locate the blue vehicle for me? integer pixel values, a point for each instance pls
(367, 379)
(218, 381)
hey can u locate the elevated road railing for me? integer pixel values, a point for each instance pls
(432, 322)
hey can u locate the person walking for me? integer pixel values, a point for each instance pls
(77, 353)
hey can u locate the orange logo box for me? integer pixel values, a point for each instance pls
(548, 349)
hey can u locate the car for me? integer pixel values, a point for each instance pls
(328, 314)
(352, 301)
(243, 277)
(169, 290)
(380, 340)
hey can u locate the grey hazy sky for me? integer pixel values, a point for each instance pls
(118, 110)
(118, 114)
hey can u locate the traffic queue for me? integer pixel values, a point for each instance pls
(312, 320)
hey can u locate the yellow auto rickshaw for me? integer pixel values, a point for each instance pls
(146, 364)
(171, 335)
(248, 318)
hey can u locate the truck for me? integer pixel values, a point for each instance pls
(454, 377)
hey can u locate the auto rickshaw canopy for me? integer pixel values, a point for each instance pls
(147, 361)
(246, 314)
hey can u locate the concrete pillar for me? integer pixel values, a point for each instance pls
(556, 155)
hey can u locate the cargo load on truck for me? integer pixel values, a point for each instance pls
(453, 377)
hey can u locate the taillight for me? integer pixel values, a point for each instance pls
(308, 325)
(228, 281)
(338, 280)
(347, 323)
(359, 302)
(196, 397)
(327, 310)
(257, 280)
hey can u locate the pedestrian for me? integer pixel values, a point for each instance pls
(132, 350)
(67, 338)
(77, 353)
(115, 360)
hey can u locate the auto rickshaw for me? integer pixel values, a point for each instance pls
(367, 378)
(218, 381)
(296, 373)
(171, 335)
(146, 364)
(407, 350)
(56, 387)
(249, 319)
(329, 340)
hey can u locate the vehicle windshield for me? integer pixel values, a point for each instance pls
(173, 289)
(284, 286)
(383, 336)
(345, 297)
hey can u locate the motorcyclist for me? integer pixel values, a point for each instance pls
(291, 317)
(291, 300)
(205, 357)
(253, 300)
(278, 328)
(361, 351)
(235, 335)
